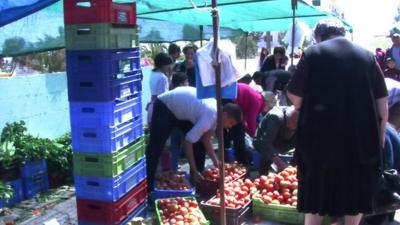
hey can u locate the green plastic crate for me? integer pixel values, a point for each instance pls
(159, 222)
(99, 36)
(108, 165)
(281, 213)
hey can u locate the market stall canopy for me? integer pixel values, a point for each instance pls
(247, 15)
(38, 25)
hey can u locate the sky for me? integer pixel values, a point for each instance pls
(369, 17)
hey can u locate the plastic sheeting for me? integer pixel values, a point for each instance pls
(159, 21)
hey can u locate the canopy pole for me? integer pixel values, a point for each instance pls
(294, 7)
(220, 133)
(201, 35)
(245, 50)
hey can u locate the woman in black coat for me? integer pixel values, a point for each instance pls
(341, 94)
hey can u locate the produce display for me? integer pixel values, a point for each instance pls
(171, 181)
(233, 171)
(237, 194)
(279, 189)
(180, 211)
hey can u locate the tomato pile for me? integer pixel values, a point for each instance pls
(180, 211)
(233, 172)
(280, 189)
(237, 194)
(171, 181)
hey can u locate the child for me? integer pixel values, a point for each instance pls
(159, 82)
(391, 71)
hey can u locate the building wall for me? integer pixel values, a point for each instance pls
(42, 102)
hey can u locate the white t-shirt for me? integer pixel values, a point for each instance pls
(158, 83)
(184, 104)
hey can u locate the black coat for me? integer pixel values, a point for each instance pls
(339, 124)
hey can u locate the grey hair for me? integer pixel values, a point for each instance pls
(329, 27)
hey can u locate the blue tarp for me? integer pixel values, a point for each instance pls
(12, 10)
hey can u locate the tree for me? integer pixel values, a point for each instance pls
(240, 42)
(11, 45)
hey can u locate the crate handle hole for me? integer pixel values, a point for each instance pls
(84, 4)
(91, 159)
(95, 207)
(86, 84)
(89, 135)
(84, 31)
(84, 58)
(93, 183)
(88, 110)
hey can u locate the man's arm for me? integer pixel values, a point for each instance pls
(206, 139)
(296, 100)
(188, 147)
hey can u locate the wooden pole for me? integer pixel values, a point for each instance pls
(245, 51)
(294, 7)
(201, 35)
(220, 133)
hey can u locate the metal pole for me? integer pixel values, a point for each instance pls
(215, 18)
(201, 35)
(294, 7)
(245, 50)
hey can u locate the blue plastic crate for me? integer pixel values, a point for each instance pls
(107, 114)
(230, 155)
(18, 194)
(286, 158)
(32, 168)
(84, 88)
(159, 193)
(89, 137)
(110, 189)
(141, 211)
(256, 159)
(103, 64)
(34, 185)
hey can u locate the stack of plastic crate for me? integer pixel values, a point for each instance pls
(104, 90)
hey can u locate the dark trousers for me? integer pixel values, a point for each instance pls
(162, 123)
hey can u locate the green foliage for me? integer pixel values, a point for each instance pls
(240, 42)
(59, 158)
(8, 154)
(16, 146)
(6, 191)
(11, 136)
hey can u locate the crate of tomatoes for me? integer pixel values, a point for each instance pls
(276, 199)
(179, 210)
(169, 184)
(208, 187)
(237, 202)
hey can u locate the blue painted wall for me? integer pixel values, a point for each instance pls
(42, 102)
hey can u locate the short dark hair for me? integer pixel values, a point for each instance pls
(394, 112)
(329, 27)
(162, 59)
(173, 48)
(233, 111)
(178, 78)
(245, 79)
(189, 46)
(258, 75)
(280, 50)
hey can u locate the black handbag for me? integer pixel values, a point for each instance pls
(387, 197)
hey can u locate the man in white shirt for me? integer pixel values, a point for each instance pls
(196, 118)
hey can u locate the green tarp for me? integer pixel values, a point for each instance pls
(161, 21)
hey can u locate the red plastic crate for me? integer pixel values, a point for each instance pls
(99, 11)
(112, 213)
